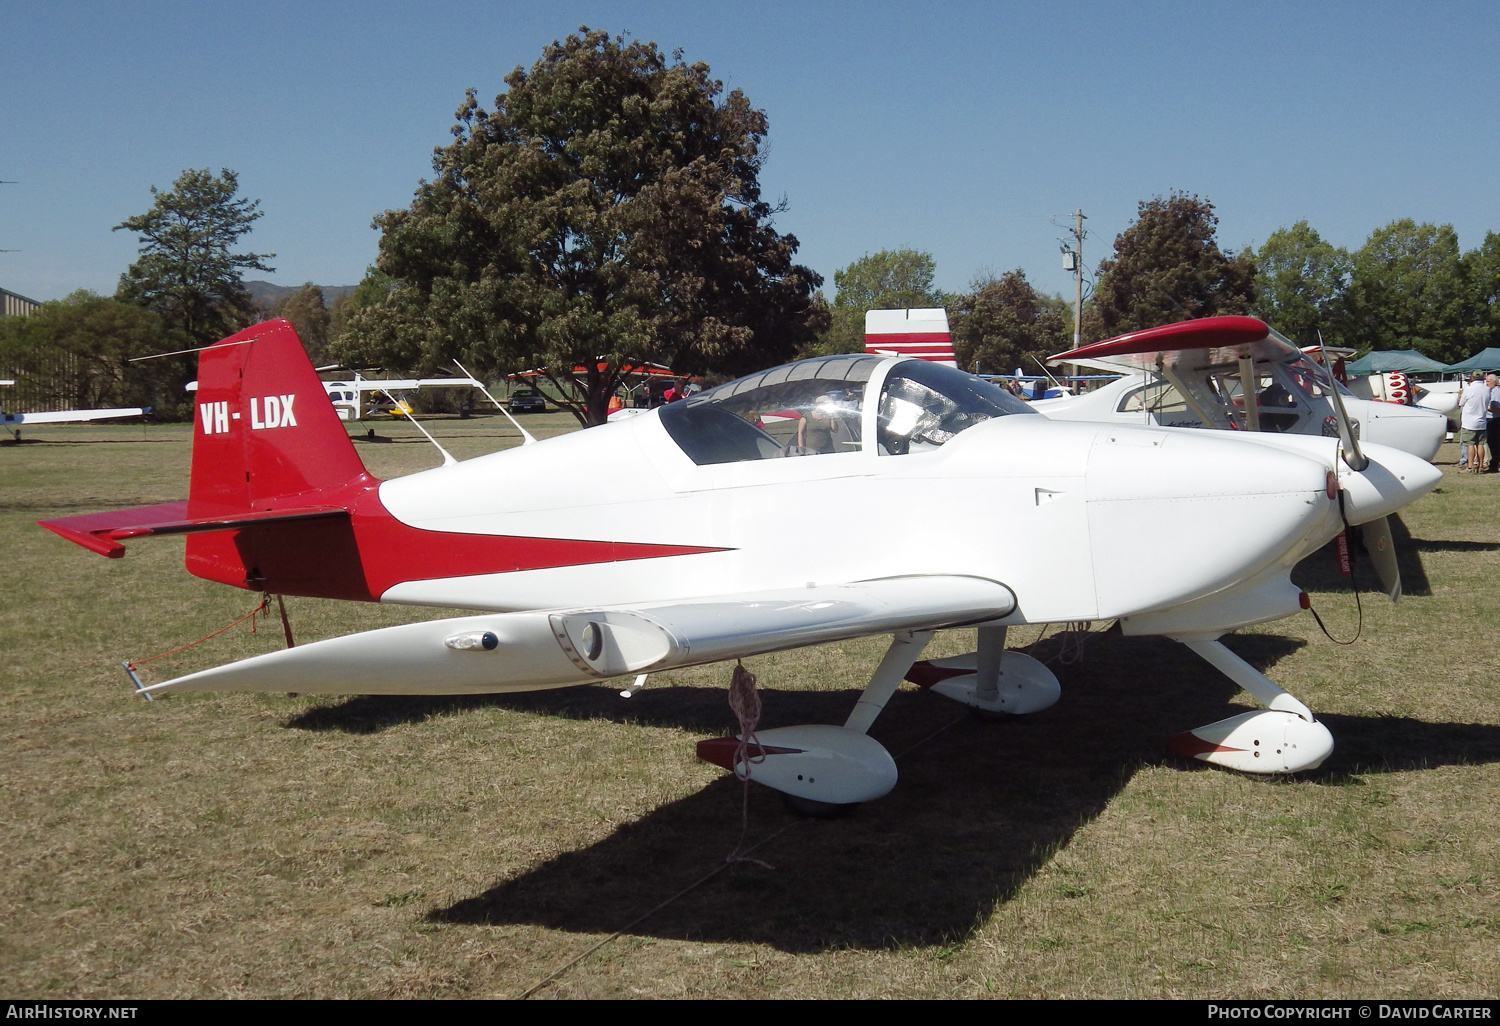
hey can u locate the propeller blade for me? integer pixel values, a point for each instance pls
(1357, 460)
(1382, 550)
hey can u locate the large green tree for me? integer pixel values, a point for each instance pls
(1300, 283)
(1002, 320)
(310, 316)
(188, 271)
(893, 279)
(1167, 266)
(1409, 289)
(1483, 269)
(606, 211)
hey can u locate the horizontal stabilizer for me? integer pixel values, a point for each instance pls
(100, 532)
(525, 651)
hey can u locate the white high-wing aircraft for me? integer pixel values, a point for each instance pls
(1190, 374)
(13, 422)
(348, 397)
(755, 517)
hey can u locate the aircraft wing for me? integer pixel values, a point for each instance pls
(499, 652)
(71, 416)
(395, 384)
(402, 384)
(1203, 342)
(1111, 367)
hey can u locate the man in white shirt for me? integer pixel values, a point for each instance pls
(1473, 413)
(1493, 426)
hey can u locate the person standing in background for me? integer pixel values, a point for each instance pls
(1473, 414)
(1492, 426)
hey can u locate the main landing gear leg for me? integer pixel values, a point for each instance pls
(905, 647)
(1282, 738)
(994, 683)
(824, 770)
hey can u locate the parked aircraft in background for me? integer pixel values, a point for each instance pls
(916, 333)
(348, 397)
(1397, 387)
(13, 422)
(1192, 374)
(757, 516)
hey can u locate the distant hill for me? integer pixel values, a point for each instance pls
(266, 293)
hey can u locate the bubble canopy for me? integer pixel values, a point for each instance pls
(824, 407)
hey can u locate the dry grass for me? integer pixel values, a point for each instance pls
(209, 846)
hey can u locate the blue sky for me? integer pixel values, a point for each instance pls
(962, 129)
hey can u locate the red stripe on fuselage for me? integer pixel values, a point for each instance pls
(370, 552)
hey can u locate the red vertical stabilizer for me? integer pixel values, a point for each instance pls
(267, 438)
(265, 435)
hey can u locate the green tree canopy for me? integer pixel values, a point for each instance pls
(1300, 283)
(1000, 320)
(310, 316)
(1409, 289)
(607, 209)
(369, 293)
(1483, 269)
(188, 271)
(1167, 266)
(893, 279)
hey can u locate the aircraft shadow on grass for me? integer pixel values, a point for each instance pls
(979, 809)
(90, 442)
(1319, 572)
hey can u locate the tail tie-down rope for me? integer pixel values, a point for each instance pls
(745, 701)
(263, 608)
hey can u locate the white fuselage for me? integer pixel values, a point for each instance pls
(1080, 521)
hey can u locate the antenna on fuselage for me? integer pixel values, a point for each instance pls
(526, 435)
(448, 459)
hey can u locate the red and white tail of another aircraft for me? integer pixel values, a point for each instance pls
(919, 334)
(755, 517)
(1192, 374)
(14, 421)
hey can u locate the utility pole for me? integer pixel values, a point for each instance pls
(1077, 278)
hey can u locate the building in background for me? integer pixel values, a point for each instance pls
(17, 305)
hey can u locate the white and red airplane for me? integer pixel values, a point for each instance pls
(755, 517)
(13, 422)
(1191, 374)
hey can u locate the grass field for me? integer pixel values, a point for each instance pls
(270, 846)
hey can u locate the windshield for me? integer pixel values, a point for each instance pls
(810, 408)
(817, 407)
(925, 404)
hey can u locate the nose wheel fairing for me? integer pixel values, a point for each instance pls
(1282, 738)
